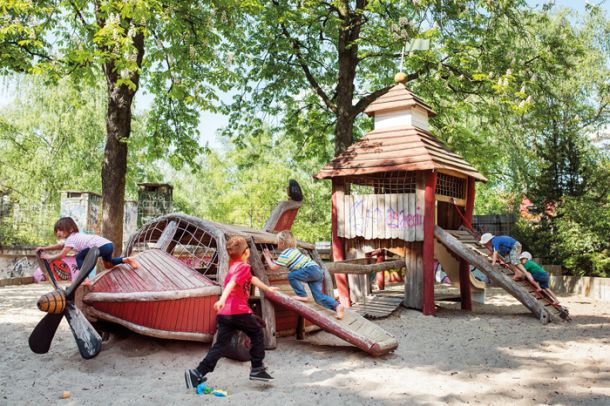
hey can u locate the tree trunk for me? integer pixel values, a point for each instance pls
(118, 130)
(347, 49)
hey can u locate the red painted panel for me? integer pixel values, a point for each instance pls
(285, 222)
(338, 253)
(465, 293)
(428, 246)
(184, 315)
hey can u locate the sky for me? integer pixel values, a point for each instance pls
(210, 123)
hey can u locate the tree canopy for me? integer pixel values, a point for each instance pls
(169, 46)
(517, 90)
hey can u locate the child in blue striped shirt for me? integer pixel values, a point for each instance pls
(302, 269)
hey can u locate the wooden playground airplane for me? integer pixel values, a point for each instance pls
(183, 262)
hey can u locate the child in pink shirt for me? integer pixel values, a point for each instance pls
(66, 229)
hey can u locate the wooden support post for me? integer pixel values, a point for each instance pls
(267, 309)
(337, 243)
(414, 278)
(465, 292)
(167, 236)
(300, 330)
(428, 246)
(380, 277)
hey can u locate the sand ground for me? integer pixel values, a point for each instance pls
(498, 354)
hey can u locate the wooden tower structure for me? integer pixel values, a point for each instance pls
(392, 187)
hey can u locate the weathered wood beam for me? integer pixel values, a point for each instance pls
(167, 236)
(347, 268)
(151, 296)
(267, 309)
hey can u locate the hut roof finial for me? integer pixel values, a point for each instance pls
(400, 77)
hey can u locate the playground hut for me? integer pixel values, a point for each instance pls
(400, 190)
(391, 188)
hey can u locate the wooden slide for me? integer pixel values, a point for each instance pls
(451, 266)
(464, 245)
(353, 328)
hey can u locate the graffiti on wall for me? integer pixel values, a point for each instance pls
(63, 269)
(381, 216)
(20, 267)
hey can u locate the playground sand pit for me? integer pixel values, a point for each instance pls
(498, 354)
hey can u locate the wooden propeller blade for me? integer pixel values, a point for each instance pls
(41, 337)
(44, 266)
(88, 264)
(88, 340)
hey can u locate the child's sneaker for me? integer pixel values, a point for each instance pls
(260, 374)
(193, 378)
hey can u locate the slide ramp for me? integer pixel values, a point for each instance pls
(451, 266)
(353, 328)
(465, 245)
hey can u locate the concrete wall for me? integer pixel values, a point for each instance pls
(17, 262)
(593, 288)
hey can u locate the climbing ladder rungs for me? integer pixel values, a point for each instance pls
(464, 244)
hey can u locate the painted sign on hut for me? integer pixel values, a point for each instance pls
(391, 188)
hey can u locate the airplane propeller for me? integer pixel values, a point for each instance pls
(59, 303)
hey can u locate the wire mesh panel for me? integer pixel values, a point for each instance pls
(383, 183)
(191, 243)
(275, 252)
(451, 186)
(26, 223)
(154, 200)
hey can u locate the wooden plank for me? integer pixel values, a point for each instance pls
(23, 280)
(379, 217)
(414, 276)
(367, 217)
(267, 309)
(167, 236)
(351, 268)
(420, 182)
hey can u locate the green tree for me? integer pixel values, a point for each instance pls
(244, 184)
(317, 64)
(167, 46)
(52, 139)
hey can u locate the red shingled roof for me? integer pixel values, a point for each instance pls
(397, 149)
(397, 98)
(405, 148)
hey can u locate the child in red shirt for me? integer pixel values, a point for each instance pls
(234, 314)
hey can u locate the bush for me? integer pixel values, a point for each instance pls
(576, 238)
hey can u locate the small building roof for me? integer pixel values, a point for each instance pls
(397, 98)
(397, 149)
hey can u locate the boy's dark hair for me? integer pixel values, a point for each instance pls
(236, 246)
(65, 224)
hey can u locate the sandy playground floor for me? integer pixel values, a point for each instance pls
(498, 354)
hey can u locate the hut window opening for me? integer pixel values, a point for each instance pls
(451, 186)
(383, 183)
